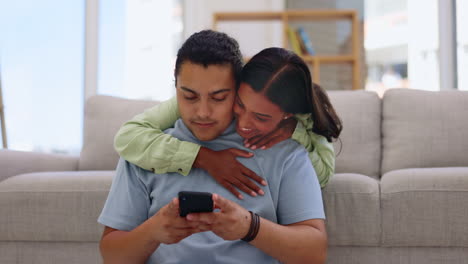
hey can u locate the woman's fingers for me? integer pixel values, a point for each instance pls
(259, 141)
(233, 175)
(274, 138)
(246, 186)
(273, 141)
(244, 182)
(241, 153)
(250, 185)
(284, 130)
(252, 175)
(248, 143)
(231, 189)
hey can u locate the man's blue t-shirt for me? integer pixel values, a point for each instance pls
(293, 194)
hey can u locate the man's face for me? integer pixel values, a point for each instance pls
(205, 97)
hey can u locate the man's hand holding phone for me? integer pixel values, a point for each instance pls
(231, 222)
(192, 212)
(195, 202)
(170, 227)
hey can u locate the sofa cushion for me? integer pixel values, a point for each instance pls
(397, 255)
(425, 207)
(104, 115)
(53, 206)
(359, 146)
(19, 162)
(424, 129)
(352, 210)
(49, 252)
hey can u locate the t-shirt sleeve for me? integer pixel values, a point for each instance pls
(300, 196)
(128, 203)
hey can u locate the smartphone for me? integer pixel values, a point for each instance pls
(195, 202)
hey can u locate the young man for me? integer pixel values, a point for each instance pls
(141, 214)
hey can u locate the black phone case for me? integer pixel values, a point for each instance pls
(195, 202)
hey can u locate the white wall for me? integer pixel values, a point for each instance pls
(91, 48)
(423, 65)
(251, 37)
(149, 49)
(462, 44)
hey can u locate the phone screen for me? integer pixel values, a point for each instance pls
(195, 202)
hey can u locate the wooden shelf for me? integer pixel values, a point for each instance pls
(329, 58)
(324, 14)
(286, 17)
(253, 16)
(323, 59)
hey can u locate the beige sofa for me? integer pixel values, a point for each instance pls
(400, 193)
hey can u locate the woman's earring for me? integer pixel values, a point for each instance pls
(285, 117)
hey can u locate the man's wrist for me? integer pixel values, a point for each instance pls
(253, 228)
(151, 230)
(247, 224)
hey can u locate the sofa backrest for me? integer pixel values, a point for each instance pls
(103, 117)
(360, 140)
(424, 129)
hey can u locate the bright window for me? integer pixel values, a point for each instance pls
(395, 57)
(137, 47)
(41, 60)
(462, 44)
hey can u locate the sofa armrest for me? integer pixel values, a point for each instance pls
(18, 162)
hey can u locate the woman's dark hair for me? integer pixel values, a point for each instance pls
(284, 78)
(209, 47)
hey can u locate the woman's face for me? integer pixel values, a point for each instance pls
(255, 113)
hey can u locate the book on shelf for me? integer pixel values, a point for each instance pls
(305, 39)
(294, 41)
(301, 43)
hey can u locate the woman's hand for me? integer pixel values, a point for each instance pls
(228, 171)
(283, 131)
(232, 222)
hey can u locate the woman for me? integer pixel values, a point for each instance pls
(142, 142)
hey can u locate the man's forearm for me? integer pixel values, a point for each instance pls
(135, 246)
(292, 244)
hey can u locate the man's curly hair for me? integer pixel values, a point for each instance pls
(209, 47)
